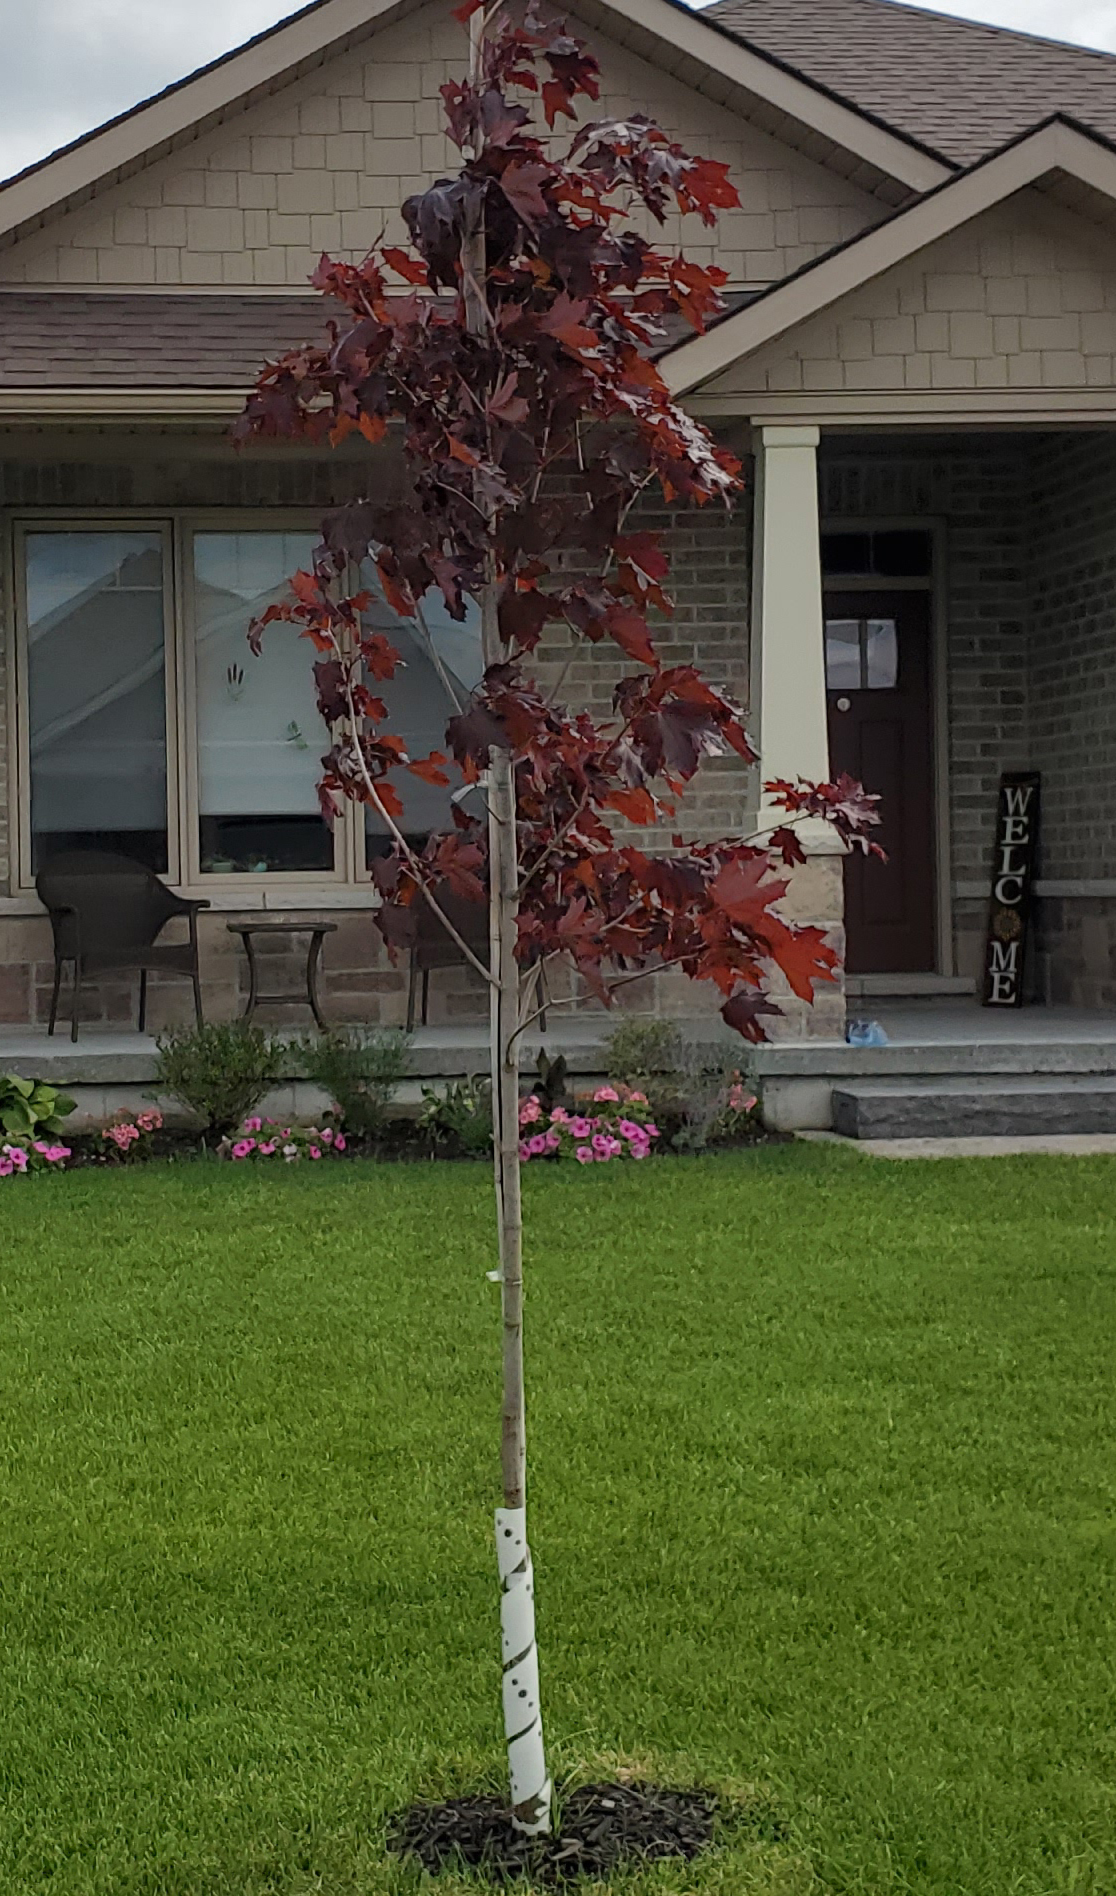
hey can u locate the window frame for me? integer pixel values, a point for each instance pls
(177, 527)
(187, 527)
(25, 526)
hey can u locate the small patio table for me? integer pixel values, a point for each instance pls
(317, 932)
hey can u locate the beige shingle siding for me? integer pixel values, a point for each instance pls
(961, 87)
(326, 163)
(1016, 299)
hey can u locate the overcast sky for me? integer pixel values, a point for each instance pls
(70, 64)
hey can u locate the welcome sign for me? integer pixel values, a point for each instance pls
(1013, 874)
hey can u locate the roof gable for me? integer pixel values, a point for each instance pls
(1021, 297)
(962, 86)
(676, 39)
(324, 163)
(1056, 151)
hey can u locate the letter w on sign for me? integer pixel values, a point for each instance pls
(1013, 870)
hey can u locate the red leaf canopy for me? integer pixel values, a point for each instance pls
(533, 419)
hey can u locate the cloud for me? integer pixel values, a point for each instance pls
(70, 64)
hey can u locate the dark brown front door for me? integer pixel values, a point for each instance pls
(877, 648)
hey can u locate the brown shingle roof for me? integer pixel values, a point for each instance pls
(961, 87)
(78, 340)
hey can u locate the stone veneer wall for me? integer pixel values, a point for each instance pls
(712, 565)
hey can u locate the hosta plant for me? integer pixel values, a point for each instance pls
(30, 1110)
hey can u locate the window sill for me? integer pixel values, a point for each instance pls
(292, 899)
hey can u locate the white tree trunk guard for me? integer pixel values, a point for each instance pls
(530, 1785)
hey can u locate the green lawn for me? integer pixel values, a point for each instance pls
(824, 1483)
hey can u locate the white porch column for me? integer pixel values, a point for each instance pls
(788, 708)
(788, 714)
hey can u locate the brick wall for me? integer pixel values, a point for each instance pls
(326, 162)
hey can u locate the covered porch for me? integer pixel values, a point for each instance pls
(933, 608)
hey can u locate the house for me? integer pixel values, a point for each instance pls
(918, 362)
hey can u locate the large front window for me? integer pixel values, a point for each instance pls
(218, 775)
(259, 736)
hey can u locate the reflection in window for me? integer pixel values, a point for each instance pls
(842, 654)
(861, 654)
(260, 735)
(881, 655)
(97, 701)
(418, 706)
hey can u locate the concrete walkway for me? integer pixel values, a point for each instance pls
(1074, 1145)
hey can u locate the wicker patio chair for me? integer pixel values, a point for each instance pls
(106, 913)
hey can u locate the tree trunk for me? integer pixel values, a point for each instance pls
(530, 1783)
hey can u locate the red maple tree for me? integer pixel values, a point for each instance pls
(517, 366)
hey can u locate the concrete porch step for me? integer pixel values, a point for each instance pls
(953, 1106)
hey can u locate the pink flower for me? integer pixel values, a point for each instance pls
(56, 1153)
(584, 1155)
(552, 1140)
(651, 1131)
(243, 1148)
(6, 1167)
(529, 1111)
(254, 1124)
(18, 1157)
(580, 1128)
(327, 1135)
(150, 1120)
(638, 1099)
(606, 1093)
(524, 1151)
(639, 1151)
(559, 1116)
(266, 1148)
(340, 1142)
(601, 1142)
(628, 1129)
(537, 1144)
(315, 1152)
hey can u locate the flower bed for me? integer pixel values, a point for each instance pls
(613, 1123)
(263, 1139)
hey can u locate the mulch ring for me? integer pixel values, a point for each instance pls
(604, 1826)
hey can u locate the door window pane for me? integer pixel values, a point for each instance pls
(260, 734)
(861, 654)
(96, 694)
(881, 655)
(419, 708)
(842, 654)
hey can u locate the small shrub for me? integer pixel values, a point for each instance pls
(127, 1138)
(220, 1071)
(30, 1110)
(639, 1051)
(612, 1123)
(460, 1117)
(262, 1139)
(359, 1070)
